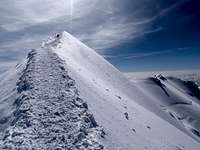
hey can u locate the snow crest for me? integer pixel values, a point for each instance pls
(49, 109)
(49, 114)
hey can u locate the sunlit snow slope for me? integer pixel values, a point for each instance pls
(114, 101)
(69, 97)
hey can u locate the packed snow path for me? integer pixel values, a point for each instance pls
(49, 113)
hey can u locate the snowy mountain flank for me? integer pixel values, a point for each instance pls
(66, 96)
(188, 75)
(176, 98)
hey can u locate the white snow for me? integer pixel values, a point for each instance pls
(47, 112)
(193, 75)
(172, 96)
(123, 110)
(110, 96)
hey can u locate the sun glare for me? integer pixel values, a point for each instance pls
(71, 7)
(71, 13)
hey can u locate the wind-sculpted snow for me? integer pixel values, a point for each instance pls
(49, 114)
(60, 83)
(189, 86)
(177, 98)
(117, 104)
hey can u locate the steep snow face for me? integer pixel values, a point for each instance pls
(66, 96)
(114, 101)
(175, 98)
(47, 112)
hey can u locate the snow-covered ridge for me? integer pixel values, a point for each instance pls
(104, 87)
(48, 110)
(60, 84)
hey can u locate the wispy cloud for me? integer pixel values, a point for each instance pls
(167, 10)
(4, 65)
(100, 24)
(146, 54)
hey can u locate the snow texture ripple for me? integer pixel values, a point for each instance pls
(49, 113)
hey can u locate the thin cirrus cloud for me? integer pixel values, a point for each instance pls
(100, 24)
(20, 14)
(146, 54)
(91, 21)
(5, 65)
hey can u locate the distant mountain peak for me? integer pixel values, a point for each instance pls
(63, 37)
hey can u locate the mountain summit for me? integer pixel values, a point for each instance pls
(66, 96)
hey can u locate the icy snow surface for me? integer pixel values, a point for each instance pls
(48, 111)
(175, 97)
(69, 97)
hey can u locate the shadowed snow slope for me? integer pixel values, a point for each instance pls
(48, 108)
(174, 98)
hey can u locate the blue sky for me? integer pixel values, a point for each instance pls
(133, 35)
(174, 46)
